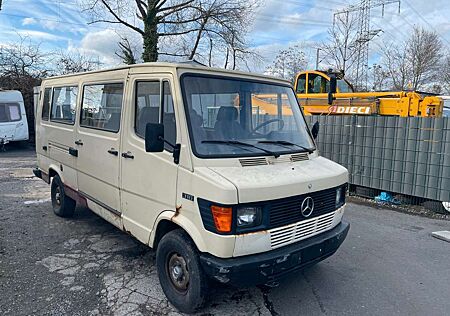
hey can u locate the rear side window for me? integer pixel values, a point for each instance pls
(64, 105)
(9, 112)
(102, 106)
(46, 104)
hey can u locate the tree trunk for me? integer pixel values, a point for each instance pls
(150, 36)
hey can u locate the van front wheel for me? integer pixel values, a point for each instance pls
(63, 205)
(180, 273)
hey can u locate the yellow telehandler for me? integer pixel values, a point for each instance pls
(312, 89)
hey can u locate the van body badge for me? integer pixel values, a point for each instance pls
(187, 196)
(307, 206)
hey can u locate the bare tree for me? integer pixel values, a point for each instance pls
(174, 21)
(22, 66)
(342, 46)
(73, 62)
(379, 78)
(288, 63)
(424, 50)
(126, 52)
(414, 63)
(395, 61)
(445, 70)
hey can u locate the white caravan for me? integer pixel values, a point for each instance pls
(13, 118)
(216, 170)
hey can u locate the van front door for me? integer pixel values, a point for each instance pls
(148, 180)
(98, 144)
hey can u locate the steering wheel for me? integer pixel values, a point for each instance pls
(267, 123)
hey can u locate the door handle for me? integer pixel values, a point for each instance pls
(79, 142)
(73, 152)
(127, 155)
(114, 152)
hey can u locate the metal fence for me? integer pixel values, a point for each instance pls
(409, 156)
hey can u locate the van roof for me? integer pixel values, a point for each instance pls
(180, 65)
(10, 96)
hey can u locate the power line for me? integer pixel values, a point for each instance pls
(365, 34)
(426, 22)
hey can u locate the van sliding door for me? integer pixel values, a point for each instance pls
(98, 144)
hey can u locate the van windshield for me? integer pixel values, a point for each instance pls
(231, 117)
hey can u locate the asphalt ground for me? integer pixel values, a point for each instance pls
(389, 264)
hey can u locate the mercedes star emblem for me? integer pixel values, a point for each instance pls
(307, 206)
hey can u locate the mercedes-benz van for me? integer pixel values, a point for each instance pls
(216, 170)
(13, 118)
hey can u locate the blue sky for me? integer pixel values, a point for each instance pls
(59, 25)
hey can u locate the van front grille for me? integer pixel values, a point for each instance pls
(288, 210)
(299, 157)
(286, 235)
(253, 162)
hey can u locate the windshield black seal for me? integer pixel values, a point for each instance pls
(243, 155)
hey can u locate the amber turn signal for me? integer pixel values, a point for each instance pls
(222, 218)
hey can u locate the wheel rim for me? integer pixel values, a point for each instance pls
(178, 272)
(58, 195)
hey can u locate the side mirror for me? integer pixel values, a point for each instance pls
(154, 138)
(333, 85)
(315, 130)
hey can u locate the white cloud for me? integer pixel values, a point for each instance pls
(101, 44)
(38, 35)
(28, 21)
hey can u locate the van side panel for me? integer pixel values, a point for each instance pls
(148, 180)
(60, 140)
(99, 129)
(55, 140)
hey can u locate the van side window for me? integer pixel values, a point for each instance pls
(102, 106)
(148, 102)
(150, 95)
(46, 104)
(64, 104)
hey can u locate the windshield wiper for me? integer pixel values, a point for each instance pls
(239, 143)
(286, 143)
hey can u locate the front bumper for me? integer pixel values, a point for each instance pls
(267, 267)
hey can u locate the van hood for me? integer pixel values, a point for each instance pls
(268, 182)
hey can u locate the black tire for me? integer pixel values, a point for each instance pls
(63, 205)
(175, 248)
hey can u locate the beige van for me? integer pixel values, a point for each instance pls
(216, 170)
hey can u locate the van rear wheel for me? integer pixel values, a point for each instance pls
(180, 273)
(62, 205)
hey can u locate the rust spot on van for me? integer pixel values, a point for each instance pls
(254, 233)
(177, 211)
(126, 230)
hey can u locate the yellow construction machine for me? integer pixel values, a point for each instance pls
(312, 89)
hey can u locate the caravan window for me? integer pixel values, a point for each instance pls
(9, 112)
(64, 104)
(102, 106)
